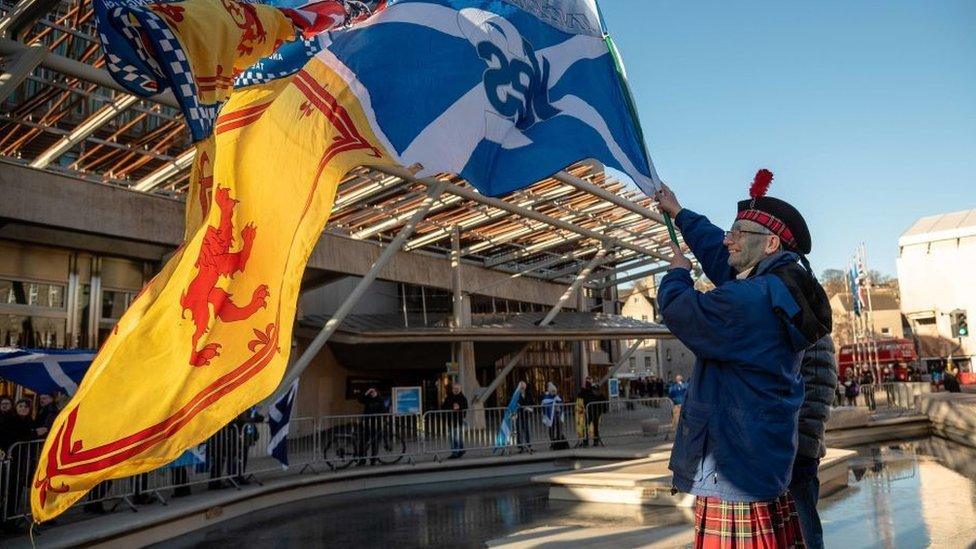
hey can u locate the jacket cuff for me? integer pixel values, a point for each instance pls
(684, 217)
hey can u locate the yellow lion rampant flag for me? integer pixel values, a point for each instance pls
(203, 340)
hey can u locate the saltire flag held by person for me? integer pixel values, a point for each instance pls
(503, 92)
(45, 370)
(279, 418)
(505, 429)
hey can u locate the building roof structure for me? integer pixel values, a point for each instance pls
(944, 226)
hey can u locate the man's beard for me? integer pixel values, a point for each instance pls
(747, 258)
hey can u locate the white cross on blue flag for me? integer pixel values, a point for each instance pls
(45, 370)
(279, 416)
(523, 89)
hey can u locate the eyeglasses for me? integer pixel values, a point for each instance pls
(737, 233)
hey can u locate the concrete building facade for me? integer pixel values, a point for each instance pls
(936, 259)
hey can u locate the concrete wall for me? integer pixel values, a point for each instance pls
(936, 278)
(64, 211)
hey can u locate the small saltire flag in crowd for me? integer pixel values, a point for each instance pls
(279, 418)
(45, 370)
(503, 92)
(505, 429)
(192, 457)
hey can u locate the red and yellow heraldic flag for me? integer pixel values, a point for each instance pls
(210, 335)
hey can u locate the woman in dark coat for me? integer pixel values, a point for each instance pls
(23, 457)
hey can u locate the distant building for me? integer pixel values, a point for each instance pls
(660, 357)
(936, 266)
(885, 312)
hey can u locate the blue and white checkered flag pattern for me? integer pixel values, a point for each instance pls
(279, 416)
(45, 370)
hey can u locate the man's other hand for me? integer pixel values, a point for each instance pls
(678, 260)
(666, 201)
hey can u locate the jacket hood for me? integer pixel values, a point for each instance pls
(804, 304)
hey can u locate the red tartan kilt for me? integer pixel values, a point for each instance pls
(759, 525)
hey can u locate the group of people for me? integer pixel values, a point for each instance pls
(552, 412)
(19, 423)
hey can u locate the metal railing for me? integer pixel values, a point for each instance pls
(239, 452)
(897, 397)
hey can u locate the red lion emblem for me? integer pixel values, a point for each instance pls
(246, 18)
(216, 260)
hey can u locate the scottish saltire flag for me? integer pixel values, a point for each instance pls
(855, 283)
(505, 429)
(45, 370)
(502, 92)
(279, 416)
(192, 457)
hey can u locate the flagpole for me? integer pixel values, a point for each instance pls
(870, 318)
(847, 282)
(632, 109)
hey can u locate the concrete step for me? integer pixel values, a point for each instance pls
(648, 481)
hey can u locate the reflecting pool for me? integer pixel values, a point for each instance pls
(903, 494)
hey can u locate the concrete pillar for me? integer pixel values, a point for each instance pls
(463, 351)
(581, 352)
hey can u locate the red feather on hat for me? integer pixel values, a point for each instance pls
(761, 183)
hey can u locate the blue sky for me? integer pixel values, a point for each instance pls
(864, 110)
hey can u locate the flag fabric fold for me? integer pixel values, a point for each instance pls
(500, 91)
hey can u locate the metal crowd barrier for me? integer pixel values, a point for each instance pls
(238, 453)
(895, 397)
(529, 429)
(639, 418)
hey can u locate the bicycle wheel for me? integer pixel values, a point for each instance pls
(392, 447)
(340, 451)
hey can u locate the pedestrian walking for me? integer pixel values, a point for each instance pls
(677, 392)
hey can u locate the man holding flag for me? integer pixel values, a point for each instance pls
(502, 93)
(737, 434)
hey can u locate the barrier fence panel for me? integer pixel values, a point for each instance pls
(893, 396)
(635, 419)
(217, 462)
(239, 451)
(369, 439)
(493, 431)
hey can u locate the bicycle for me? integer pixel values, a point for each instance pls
(344, 445)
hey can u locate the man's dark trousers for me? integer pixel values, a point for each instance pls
(805, 487)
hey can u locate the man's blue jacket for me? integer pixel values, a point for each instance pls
(737, 434)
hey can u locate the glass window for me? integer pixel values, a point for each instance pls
(35, 294)
(32, 331)
(115, 302)
(647, 362)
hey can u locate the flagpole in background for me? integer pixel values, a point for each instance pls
(854, 354)
(632, 109)
(870, 317)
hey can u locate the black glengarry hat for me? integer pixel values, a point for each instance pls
(774, 214)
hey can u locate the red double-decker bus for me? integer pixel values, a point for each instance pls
(896, 353)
